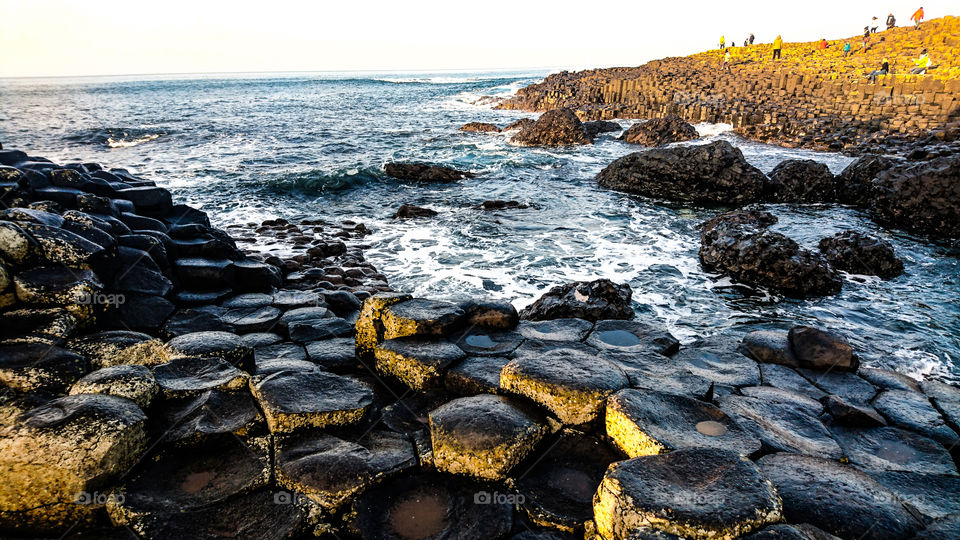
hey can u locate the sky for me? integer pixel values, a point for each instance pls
(124, 37)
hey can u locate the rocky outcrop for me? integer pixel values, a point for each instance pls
(520, 125)
(480, 127)
(592, 301)
(422, 172)
(498, 204)
(660, 132)
(859, 253)
(854, 183)
(739, 244)
(598, 127)
(920, 197)
(800, 181)
(714, 173)
(559, 127)
(408, 211)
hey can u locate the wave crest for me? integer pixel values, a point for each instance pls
(115, 137)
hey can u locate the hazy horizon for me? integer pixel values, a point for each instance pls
(58, 38)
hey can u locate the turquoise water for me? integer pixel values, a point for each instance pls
(251, 147)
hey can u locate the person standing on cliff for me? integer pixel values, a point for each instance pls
(726, 62)
(846, 49)
(891, 21)
(777, 45)
(917, 17)
(723, 42)
(751, 39)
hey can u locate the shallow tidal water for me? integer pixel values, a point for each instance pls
(252, 147)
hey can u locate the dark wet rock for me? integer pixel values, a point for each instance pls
(188, 321)
(714, 173)
(260, 339)
(76, 290)
(278, 351)
(55, 455)
(247, 320)
(490, 314)
(430, 506)
(492, 205)
(596, 127)
(330, 470)
(252, 275)
(483, 436)
(655, 372)
(632, 337)
(556, 329)
(197, 419)
(728, 369)
(295, 400)
(151, 201)
(787, 397)
(276, 365)
(697, 493)
(60, 246)
(571, 384)
(30, 367)
(332, 354)
(520, 124)
(342, 303)
(947, 400)
(202, 273)
(769, 347)
(223, 345)
(893, 449)
(424, 173)
(50, 326)
(645, 422)
(420, 318)
(920, 197)
(559, 127)
(133, 382)
(886, 379)
(480, 342)
(914, 411)
(786, 378)
(589, 300)
(844, 384)
(816, 348)
(846, 413)
(738, 243)
(187, 480)
(417, 362)
(188, 376)
(837, 498)
(858, 253)
(312, 330)
(407, 211)
(248, 300)
(303, 315)
(481, 127)
(936, 496)
(199, 298)
(854, 183)
(800, 181)
(781, 427)
(118, 347)
(475, 375)
(660, 132)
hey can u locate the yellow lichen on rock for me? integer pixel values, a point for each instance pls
(369, 329)
(627, 436)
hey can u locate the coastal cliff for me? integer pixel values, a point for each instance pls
(813, 98)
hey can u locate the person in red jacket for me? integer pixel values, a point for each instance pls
(917, 17)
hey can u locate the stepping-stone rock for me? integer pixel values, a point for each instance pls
(632, 337)
(483, 436)
(49, 326)
(293, 400)
(820, 349)
(556, 329)
(369, 327)
(279, 351)
(864, 254)
(188, 321)
(781, 427)
(556, 127)
(644, 422)
(269, 367)
(490, 315)
(946, 528)
(331, 327)
(800, 181)
(79, 291)
(247, 320)
(837, 498)
(199, 298)
(893, 449)
(56, 458)
(590, 300)
(566, 381)
(431, 506)
(733, 370)
(914, 412)
(947, 400)
(419, 363)
(185, 480)
(420, 318)
(787, 397)
(119, 347)
(287, 299)
(260, 339)
(886, 379)
(149, 200)
(692, 493)
(936, 496)
(558, 488)
(769, 347)
(304, 314)
(248, 300)
(410, 415)
(62, 247)
(342, 303)
(189, 376)
(849, 414)
(479, 342)
(144, 312)
(333, 354)
(29, 367)
(200, 273)
(782, 531)
(253, 275)
(786, 378)
(223, 345)
(133, 382)
(475, 375)
(197, 419)
(330, 470)
(661, 374)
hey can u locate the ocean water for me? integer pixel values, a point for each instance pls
(251, 147)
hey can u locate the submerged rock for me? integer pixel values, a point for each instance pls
(559, 127)
(800, 181)
(589, 300)
(481, 127)
(489, 206)
(859, 253)
(660, 132)
(714, 173)
(424, 173)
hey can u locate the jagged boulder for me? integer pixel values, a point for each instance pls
(407, 211)
(660, 132)
(589, 300)
(800, 181)
(424, 173)
(714, 173)
(559, 127)
(738, 243)
(480, 127)
(520, 125)
(853, 184)
(859, 253)
(921, 197)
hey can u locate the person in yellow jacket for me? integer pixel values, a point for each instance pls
(723, 42)
(922, 63)
(777, 45)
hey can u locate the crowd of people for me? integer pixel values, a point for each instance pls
(921, 64)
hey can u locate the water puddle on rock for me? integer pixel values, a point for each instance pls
(418, 518)
(481, 341)
(618, 338)
(711, 428)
